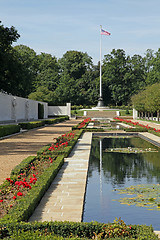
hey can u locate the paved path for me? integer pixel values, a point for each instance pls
(65, 198)
(17, 147)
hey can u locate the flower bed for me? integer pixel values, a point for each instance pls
(20, 194)
(83, 124)
(137, 124)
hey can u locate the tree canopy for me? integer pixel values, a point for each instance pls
(74, 78)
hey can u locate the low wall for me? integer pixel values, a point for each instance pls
(101, 114)
(13, 109)
(59, 110)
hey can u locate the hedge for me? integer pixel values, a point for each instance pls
(137, 129)
(35, 124)
(9, 129)
(23, 165)
(67, 230)
(31, 125)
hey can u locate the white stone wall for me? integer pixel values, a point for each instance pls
(59, 110)
(13, 109)
(135, 114)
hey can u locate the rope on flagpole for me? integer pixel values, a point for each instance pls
(100, 62)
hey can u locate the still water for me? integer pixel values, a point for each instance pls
(115, 170)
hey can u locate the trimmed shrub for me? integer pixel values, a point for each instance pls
(137, 129)
(23, 165)
(9, 129)
(73, 230)
(31, 125)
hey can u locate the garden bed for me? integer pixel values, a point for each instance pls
(21, 193)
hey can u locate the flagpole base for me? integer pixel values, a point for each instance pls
(100, 102)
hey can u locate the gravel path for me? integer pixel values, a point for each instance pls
(17, 147)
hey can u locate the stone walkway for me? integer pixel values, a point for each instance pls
(65, 198)
(17, 147)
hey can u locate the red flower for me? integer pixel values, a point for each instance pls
(14, 197)
(11, 206)
(19, 194)
(1, 200)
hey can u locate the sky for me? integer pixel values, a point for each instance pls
(58, 26)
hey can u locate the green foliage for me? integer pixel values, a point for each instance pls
(148, 100)
(31, 125)
(27, 69)
(75, 230)
(47, 72)
(42, 94)
(74, 78)
(23, 166)
(137, 129)
(9, 129)
(35, 124)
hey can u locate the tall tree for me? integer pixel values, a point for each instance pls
(114, 69)
(74, 66)
(7, 58)
(154, 73)
(47, 71)
(28, 61)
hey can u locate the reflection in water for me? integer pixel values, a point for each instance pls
(108, 171)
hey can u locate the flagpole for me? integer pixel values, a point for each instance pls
(100, 100)
(100, 63)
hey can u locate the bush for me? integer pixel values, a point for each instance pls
(76, 230)
(9, 129)
(23, 165)
(31, 125)
(137, 129)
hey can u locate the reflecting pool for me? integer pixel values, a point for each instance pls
(110, 169)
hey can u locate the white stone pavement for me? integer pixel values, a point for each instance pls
(65, 198)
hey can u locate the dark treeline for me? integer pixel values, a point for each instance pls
(73, 78)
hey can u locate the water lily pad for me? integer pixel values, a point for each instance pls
(130, 150)
(142, 196)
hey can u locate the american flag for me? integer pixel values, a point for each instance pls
(103, 32)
